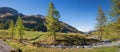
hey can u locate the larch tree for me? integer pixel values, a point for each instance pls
(11, 29)
(20, 28)
(52, 20)
(101, 22)
(115, 13)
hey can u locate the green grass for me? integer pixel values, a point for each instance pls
(33, 35)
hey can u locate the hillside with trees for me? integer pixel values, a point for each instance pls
(38, 33)
(31, 22)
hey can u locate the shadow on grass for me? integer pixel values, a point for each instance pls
(74, 40)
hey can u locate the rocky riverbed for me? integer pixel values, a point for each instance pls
(92, 45)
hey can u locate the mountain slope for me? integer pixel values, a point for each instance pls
(35, 22)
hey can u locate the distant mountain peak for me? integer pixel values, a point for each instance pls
(7, 11)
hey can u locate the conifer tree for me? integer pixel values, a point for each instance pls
(11, 29)
(20, 28)
(101, 22)
(115, 13)
(52, 20)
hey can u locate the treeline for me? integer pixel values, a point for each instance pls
(109, 26)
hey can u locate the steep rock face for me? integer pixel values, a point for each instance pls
(35, 22)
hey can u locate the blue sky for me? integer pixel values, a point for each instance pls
(80, 14)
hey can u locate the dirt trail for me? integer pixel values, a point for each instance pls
(5, 47)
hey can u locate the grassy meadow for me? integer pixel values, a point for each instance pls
(34, 36)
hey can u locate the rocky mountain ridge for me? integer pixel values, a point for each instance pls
(35, 22)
